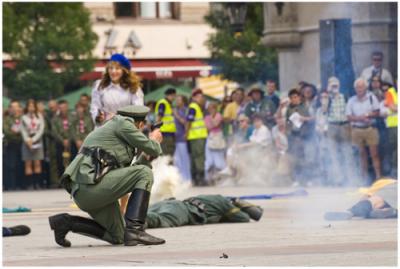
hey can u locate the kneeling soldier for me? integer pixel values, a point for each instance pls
(102, 173)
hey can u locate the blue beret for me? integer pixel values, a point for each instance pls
(121, 59)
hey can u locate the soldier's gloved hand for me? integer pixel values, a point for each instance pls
(156, 135)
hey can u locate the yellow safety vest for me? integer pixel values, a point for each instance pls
(391, 120)
(198, 128)
(168, 119)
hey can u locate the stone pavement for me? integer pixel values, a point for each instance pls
(292, 232)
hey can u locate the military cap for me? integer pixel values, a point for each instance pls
(134, 111)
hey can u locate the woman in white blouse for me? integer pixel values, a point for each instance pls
(261, 133)
(32, 129)
(118, 87)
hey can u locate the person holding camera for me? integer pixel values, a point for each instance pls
(103, 172)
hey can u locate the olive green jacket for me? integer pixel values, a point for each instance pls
(9, 135)
(88, 127)
(120, 138)
(58, 131)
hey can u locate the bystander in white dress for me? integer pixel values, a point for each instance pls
(111, 98)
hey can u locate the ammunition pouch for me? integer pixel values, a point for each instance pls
(102, 160)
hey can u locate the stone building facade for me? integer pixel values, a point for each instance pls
(293, 28)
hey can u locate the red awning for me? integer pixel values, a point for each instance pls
(148, 69)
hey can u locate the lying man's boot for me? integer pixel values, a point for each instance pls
(135, 217)
(254, 212)
(345, 215)
(61, 224)
(16, 230)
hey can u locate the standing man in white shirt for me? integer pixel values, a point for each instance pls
(118, 87)
(361, 111)
(376, 69)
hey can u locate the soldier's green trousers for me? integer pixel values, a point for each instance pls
(168, 144)
(100, 201)
(197, 150)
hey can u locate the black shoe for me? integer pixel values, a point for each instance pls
(64, 223)
(135, 218)
(135, 234)
(19, 230)
(61, 224)
(254, 212)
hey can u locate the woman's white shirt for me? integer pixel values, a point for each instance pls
(111, 98)
(261, 136)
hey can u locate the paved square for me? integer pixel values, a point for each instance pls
(291, 232)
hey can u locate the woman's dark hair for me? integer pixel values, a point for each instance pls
(184, 99)
(294, 92)
(129, 80)
(313, 89)
(31, 101)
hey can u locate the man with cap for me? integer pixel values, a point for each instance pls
(261, 106)
(196, 134)
(164, 113)
(102, 173)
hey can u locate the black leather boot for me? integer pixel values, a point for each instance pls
(135, 217)
(61, 224)
(254, 212)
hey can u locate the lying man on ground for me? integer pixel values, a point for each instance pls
(201, 209)
(380, 202)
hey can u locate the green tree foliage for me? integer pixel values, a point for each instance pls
(35, 34)
(242, 58)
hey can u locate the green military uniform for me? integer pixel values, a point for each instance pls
(120, 141)
(12, 163)
(61, 132)
(101, 200)
(201, 209)
(82, 127)
(50, 150)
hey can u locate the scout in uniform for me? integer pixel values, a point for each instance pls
(201, 209)
(164, 113)
(62, 133)
(13, 166)
(196, 134)
(102, 173)
(82, 125)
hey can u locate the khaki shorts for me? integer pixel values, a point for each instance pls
(364, 137)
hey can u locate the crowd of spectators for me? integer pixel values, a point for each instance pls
(311, 136)
(39, 143)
